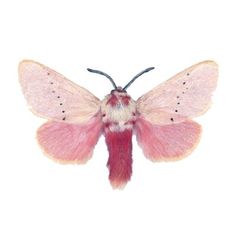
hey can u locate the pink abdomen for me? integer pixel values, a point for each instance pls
(119, 145)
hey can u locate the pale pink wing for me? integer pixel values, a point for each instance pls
(52, 96)
(70, 143)
(163, 128)
(186, 95)
(167, 142)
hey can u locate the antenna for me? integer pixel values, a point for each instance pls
(136, 76)
(102, 73)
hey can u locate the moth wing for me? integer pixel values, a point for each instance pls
(167, 142)
(70, 143)
(52, 96)
(186, 95)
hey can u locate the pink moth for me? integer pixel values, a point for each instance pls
(161, 118)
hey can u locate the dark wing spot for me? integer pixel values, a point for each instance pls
(61, 104)
(63, 111)
(58, 96)
(176, 110)
(51, 82)
(172, 119)
(63, 118)
(178, 103)
(184, 82)
(177, 96)
(182, 92)
(187, 74)
(48, 73)
(53, 91)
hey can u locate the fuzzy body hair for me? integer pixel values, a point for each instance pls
(118, 116)
(118, 111)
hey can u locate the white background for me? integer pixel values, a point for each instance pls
(195, 196)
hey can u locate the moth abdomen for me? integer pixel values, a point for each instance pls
(120, 156)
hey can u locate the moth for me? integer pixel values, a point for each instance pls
(161, 119)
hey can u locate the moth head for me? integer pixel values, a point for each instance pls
(120, 89)
(118, 98)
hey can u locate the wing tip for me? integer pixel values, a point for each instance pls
(210, 63)
(24, 62)
(25, 65)
(214, 67)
